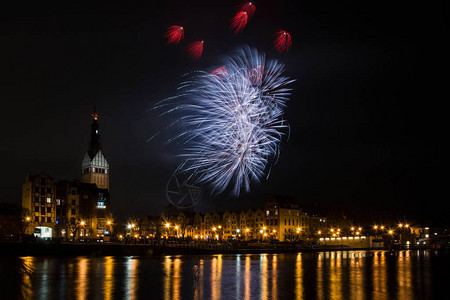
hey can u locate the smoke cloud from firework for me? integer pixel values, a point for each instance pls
(231, 121)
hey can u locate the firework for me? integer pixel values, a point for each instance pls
(249, 8)
(231, 121)
(283, 41)
(174, 34)
(239, 21)
(195, 49)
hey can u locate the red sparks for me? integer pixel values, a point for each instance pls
(283, 41)
(249, 8)
(174, 34)
(195, 49)
(221, 72)
(239, 21)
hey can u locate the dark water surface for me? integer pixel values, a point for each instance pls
(329, 275)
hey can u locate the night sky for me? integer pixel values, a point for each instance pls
(366, 112)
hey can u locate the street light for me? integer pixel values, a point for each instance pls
(82, 223)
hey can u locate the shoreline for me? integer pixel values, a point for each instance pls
(116, 249)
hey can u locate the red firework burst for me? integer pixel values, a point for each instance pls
(239, 21)
(249, 8)
(174, 34)
(195, 49)
(283, 41)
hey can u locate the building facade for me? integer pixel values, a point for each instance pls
(71, 209)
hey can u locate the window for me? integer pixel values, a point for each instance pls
(42, 210)
(36, 219)
(276, 212)
(49, 219)
(49, 200)
(73, 212)
(58, 202)
(36, 209)
(267, 212)
(36, 190)
(101, 204)
(100, 196)
(49, 209)
(36, 199)
(74, 202)
(42, 181)
(57, 220)
(42, 219)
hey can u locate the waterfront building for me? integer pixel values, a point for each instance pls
(71, 209)
(39, 198)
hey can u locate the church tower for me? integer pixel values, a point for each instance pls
(95, 167)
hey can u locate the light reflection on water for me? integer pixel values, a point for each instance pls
(327, 275)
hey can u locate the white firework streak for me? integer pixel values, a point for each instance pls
(232, 121)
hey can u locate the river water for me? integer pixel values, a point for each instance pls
(405, 274)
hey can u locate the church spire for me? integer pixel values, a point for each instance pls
(95, 144)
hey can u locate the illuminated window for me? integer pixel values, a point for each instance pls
(49, 200)
(267, 213)
(101, 204)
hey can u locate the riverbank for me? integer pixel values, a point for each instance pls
(120, 249)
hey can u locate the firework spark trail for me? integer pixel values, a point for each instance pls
(195, 49)
(232, 121)
(249, 8)
(174, 34)
(283, 41)
(239, 21)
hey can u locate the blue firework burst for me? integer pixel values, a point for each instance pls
(231, 121)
